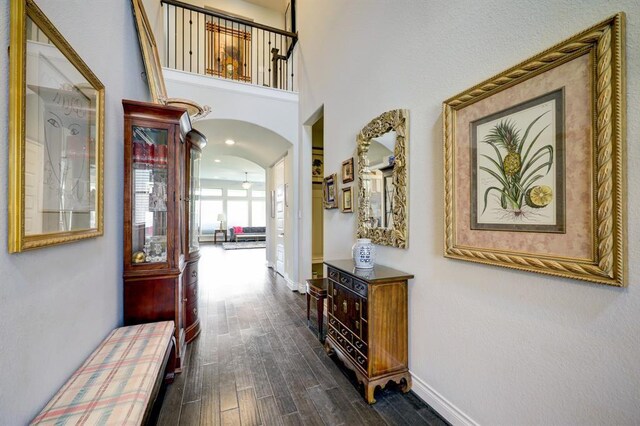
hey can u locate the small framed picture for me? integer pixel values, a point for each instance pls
(347, 200)
(317, 166)
(347, 170)
(329, 192)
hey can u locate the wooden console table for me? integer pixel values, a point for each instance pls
(368, 326)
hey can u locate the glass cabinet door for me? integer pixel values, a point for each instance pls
(194, 201)
(149, 204)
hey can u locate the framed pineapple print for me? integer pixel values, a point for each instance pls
(517, 167)
(534, 175)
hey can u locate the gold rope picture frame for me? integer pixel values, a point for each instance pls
(554, 208)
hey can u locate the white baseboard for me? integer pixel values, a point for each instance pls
(290, 283)
(446, 409)
(271, 265)
(302, 289)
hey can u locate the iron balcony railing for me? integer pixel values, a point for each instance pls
(206, 42)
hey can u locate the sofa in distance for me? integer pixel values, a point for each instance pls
(247, 233)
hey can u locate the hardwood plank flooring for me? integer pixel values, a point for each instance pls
(257, 362)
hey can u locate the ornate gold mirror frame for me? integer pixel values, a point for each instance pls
(150, 55)
(56, 122)
(395, 120)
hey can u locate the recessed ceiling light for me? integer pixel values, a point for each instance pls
(217, 160)
(230, 142)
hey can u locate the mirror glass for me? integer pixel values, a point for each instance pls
(382, 177)
(380, 180)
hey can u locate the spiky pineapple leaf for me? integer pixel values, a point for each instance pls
(498, 166)
(526, 133)
(533, 142)
(545, 150)
(526, 179)
(504, 134)
(531, 182)
(495, 175)
(486, 195)
(496, 150)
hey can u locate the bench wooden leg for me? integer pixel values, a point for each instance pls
(170, 369)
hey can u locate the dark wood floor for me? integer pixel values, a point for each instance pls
(257, 363)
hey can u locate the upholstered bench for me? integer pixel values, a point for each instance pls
(119, 382)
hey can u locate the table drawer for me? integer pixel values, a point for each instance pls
(362, 361)
(360, 288)
(341, 278)
(346, 333)
(342, 341)
(345, 280)
(359, 357)
(334, 275)
(333, 321)
(361, 346)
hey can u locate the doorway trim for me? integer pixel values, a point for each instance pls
(305, 196)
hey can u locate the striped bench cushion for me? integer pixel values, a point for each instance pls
(115, 385)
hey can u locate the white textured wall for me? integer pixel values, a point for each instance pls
(58, 303)
(501, 346)
(272, 109)
(275, 110)
(245, 9)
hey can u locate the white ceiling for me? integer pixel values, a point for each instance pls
(232, 168)
(278, 5)
(255, 150)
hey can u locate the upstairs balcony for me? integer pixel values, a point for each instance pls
(212, 43)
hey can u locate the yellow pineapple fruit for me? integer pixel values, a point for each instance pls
(511, 163)
(505, 135)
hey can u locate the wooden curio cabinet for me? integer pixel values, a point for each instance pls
(193, 153)
(154, 216)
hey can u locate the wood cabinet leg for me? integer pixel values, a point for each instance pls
(327, 348)
(320, 308)
(369, 389)
(308, 306)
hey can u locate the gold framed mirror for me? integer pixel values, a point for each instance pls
(383, 179)
(56, 131)
(150, 56)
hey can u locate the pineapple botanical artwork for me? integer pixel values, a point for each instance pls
(518, 167)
